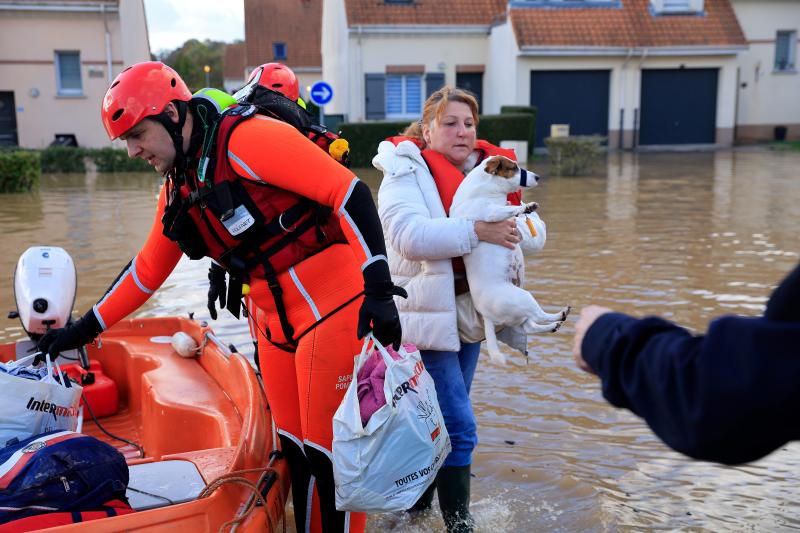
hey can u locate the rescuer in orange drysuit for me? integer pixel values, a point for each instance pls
(259, 198)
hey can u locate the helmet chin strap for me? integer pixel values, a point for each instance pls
(175, 131)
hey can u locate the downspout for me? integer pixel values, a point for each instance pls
(108, 44)
(360, 81)
(623, 77)
(636, 110)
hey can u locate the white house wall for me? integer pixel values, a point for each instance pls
(29, 71)
(371, 53)
(501, 70)
(767, 98)
(337, 56)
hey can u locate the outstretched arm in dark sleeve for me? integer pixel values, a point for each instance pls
(731, 395)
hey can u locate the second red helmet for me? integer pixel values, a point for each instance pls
(277, 77)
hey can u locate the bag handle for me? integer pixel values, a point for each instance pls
(23, 361)
(388, 359)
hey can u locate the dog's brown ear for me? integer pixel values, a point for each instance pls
(508, 168)
(492, 164)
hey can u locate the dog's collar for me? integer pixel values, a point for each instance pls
(523, 177)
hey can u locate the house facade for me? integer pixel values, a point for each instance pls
(640, 72)
(57, 58)
(284, 32)
(769, 82)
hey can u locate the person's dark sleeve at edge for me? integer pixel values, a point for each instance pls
(730, 396)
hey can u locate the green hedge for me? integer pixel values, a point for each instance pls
(19, 170)
(114, 160)
(364, 137)
(507, 127)
(533, 110)
(573, 156)
(63, 159)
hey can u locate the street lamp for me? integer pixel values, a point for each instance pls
(207, 70)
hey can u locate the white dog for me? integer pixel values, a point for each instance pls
(494, 272)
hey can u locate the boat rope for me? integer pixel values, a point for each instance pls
(237, 477)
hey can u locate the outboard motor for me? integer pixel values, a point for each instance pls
(45, 282)
(44, 289)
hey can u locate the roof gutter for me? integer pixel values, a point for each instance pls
(88, 7)
(427, 29)
(575, 51)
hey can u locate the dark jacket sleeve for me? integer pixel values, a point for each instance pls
(731, 395)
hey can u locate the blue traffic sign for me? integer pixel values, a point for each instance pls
(321, 93)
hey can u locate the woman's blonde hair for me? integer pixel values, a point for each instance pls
(435, 106)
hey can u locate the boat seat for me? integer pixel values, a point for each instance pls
(162, 483)
(185, 408)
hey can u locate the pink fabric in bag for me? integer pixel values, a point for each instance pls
(370, 381)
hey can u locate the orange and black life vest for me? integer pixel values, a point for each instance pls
(251, 228)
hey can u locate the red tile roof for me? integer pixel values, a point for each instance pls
(298, 23)
(446, 12)
(633, 25)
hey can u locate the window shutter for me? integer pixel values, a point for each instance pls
(433, 82)
(375, 103)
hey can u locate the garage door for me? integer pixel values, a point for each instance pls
(678, 106)
(575, 97)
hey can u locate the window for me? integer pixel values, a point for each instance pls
(677, 7)
(68, 74)
(403, 96)
(785, 45)
(279, 51)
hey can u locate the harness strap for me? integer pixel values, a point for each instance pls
(277, 295)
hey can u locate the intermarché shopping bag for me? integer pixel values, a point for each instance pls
(29, 407)
(387, 464)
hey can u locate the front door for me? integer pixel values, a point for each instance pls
(8, 119)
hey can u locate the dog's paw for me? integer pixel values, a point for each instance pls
(497, 357)
(531, 207)
(565, 312)
(556, 327)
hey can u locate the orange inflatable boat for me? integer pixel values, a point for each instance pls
(204, 428)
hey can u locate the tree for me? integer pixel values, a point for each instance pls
(189, 60)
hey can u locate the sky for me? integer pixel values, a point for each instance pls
(170, 23)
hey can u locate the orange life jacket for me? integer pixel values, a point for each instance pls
(249, 227)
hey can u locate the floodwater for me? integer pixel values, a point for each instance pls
(685, 235)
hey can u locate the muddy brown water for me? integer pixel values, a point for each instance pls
(685, 235)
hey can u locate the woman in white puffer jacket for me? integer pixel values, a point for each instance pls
(421, 171)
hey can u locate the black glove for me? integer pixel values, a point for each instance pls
(379, 314)
(71, 337)
(216, 289)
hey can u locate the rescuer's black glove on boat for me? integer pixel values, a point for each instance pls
(71, 337)
(216, 289)
(379, 314)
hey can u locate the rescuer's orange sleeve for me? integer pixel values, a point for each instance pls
(142, 276)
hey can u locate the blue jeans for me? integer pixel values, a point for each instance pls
(452, 374)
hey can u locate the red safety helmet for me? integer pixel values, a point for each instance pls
(140, 91)
(278, 77)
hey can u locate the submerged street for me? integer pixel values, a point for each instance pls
(688, 236)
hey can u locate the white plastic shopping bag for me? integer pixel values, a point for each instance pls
(387, 464)
(29, 407)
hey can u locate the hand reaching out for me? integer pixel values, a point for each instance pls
(588, 316)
